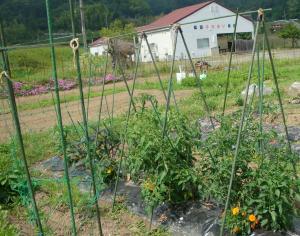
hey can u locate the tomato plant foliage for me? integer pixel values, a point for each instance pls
(163, 163)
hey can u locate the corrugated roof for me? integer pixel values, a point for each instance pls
(173, 17)
(98, 42)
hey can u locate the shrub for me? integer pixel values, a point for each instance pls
(189, 82)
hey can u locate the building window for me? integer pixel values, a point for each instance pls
(229, 25)
(195, 27)
(201, 26)
(154, 49)
(203, 43)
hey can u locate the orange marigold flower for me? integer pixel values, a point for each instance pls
(252, 218)
(235, 211)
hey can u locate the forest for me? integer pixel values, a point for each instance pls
(25, 20)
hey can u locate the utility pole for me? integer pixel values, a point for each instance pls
(83, 24)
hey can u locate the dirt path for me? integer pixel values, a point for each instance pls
(42, 119)
(74, 92)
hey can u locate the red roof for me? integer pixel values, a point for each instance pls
(173, 17)
(98, 42)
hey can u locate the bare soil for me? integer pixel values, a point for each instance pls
(42, 119)
(58, 221)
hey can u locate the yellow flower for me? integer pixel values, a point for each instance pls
(244, 214)
(252, 218)
(109, 170)
(150, 186)
(235, 211)
(236, 229)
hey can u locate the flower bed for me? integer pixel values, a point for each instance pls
(22, 89)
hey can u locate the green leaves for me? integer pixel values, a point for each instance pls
(163, 162)
(263, 186)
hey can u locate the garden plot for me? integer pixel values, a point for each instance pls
(192, 205)
(156, 169)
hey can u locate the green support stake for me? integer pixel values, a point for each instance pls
(126, 83)
(237, 146)
(131, 103)
(59, 118)
(75, 46)
(154, 64)
(278, 94)
(6, 75)
(102, 93)
(262, 98)
(261, 92)
(170, 86)
(230, 62)
(197, 78)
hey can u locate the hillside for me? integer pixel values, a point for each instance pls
(25, 20)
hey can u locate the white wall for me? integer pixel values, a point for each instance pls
(164, 39)
(163, 44)
(210, 29)
(98, 50)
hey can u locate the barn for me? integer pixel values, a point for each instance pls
(98, 47)
(203, 38)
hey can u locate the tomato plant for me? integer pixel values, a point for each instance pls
(164, 165)
(264, 186)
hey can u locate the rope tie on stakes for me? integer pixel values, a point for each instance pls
(2, 75)
(74, 44)
(261, 14)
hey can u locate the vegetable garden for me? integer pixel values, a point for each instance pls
(235, 162)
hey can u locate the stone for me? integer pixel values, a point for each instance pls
(206, 125)
(296, 149)
(295, 88)
(267, 91)
(295, 100)
(294, 133)
(54, 164)
(253, 88)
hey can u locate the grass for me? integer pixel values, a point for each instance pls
(42, 103)
(33, 66)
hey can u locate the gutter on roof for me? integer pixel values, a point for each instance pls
(154, 29)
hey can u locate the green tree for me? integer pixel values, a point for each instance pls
(290, 32)
(293, 8)
(117, 28)
(139, 7)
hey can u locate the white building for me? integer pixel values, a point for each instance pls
(98, 47)
(203, 38)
